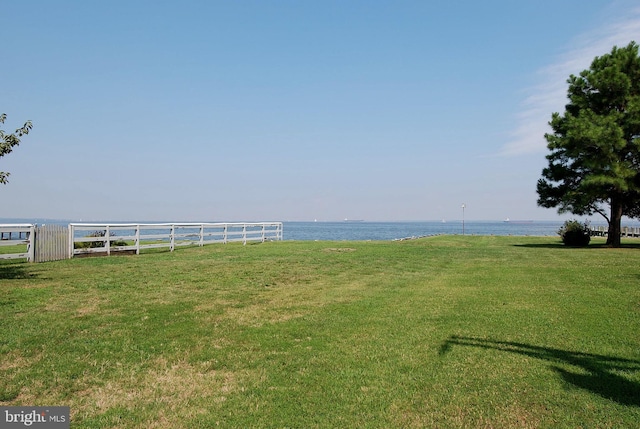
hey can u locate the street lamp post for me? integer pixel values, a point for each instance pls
(463, 206)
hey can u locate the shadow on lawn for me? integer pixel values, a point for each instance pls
(561, 245)
(10, 271)
(598, 373)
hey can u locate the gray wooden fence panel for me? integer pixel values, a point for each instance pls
(51, 243)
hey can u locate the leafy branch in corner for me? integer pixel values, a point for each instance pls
(9, 141)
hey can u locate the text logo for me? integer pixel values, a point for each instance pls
(34, 417)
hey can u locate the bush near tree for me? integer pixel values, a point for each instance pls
(574, 233)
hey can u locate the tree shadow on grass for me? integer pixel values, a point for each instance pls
(13, 271)
(598, 374)
(561, 245)
(558, 245)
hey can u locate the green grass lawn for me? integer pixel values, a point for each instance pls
(442, 332)
(18, 248)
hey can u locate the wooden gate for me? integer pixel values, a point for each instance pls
(51, 243)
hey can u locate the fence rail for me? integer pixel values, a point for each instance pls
(603, 231)
(17, 234)
(85, 238)
(54, 242)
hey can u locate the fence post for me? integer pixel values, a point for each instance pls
(172, 238)
(107, 235)
(244, 234)
(37, 241)
(31, 247)
(138, 239)
(201, 235)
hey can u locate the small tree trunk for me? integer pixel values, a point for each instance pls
(615, 228)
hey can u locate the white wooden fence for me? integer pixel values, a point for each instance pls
(85, 238)
(625, 231)
(54, 242)
(16, 235)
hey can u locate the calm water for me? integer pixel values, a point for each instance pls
(390, 230)
(398, 230)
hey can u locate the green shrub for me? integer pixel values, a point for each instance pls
(574, 233)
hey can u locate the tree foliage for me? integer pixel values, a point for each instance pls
(9, 141)
(594, 164)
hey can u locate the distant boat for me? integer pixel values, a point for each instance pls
(518, 221)
(353, 220)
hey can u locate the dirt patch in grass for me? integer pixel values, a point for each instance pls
(453, 416)
(291, 301)
(14, 359)
(169, 389)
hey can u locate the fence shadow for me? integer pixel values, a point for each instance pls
(595, 373)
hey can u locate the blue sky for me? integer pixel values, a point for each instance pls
(290, 110)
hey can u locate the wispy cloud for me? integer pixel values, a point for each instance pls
(550, 93)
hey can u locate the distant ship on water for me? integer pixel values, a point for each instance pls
(353, 220)
(517, 221)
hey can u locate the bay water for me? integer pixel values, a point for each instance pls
(404, 230)
(365, 230)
